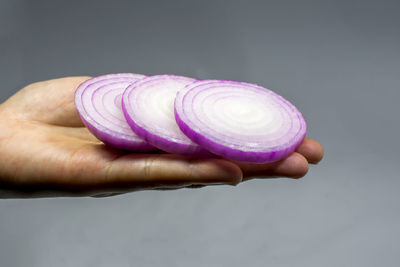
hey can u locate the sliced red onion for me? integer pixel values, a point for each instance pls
(98, 101)
(148, 105)
(239, 121)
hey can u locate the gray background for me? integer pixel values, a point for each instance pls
(338, 61)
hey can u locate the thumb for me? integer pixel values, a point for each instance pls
(146, 171)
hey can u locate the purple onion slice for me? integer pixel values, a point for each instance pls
(239, 121)
(148, 105)
(98, 101)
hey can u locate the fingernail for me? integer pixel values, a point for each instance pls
(103, 195)
(228, 173)
(216, 171)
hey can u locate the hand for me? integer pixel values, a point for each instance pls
(45, 150)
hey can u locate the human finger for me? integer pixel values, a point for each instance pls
(294, 166)
(311, 150)
(168, 170)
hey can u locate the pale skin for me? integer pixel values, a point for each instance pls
(46, 151)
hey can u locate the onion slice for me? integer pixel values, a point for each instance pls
(98, 102)
(148, 105)
(239, 121)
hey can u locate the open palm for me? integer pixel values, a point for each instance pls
(45, 150)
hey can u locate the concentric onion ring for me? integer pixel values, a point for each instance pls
(148, 105)
(239, 121)
(98, 102)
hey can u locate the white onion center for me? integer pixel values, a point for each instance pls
(152, 107)
(240, 115)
